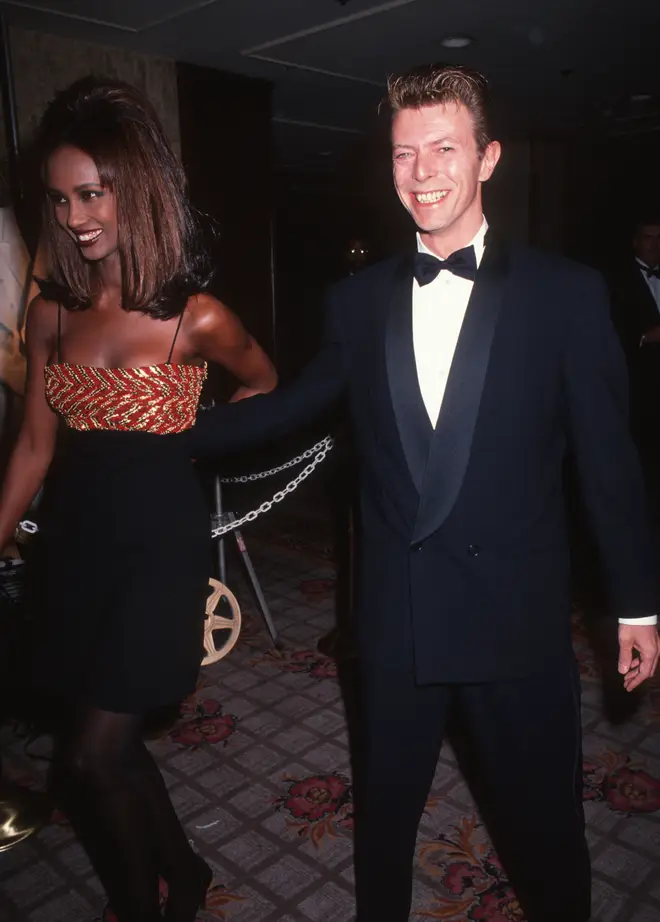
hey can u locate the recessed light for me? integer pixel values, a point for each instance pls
(456, 41)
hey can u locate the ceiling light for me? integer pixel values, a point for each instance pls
(456, 41)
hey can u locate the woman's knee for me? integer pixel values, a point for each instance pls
(87, 763)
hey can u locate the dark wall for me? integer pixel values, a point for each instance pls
(317, 215)
(611, 182)
(225, 129)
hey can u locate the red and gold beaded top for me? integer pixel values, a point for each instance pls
(161, 399)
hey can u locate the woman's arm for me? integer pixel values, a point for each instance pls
(35, 445)
(224, 429)
(218, 335)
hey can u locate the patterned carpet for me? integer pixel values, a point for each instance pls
(259, 771)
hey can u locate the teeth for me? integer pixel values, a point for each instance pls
(428, 198)
(92, 235)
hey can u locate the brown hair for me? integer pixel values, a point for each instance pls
(161, 258)
(439, 84)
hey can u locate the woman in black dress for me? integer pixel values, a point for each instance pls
(117, 349)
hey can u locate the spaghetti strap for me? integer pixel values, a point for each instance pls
(59, 332)
(178, 327)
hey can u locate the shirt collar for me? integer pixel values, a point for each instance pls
(640, 262)
(478, 242)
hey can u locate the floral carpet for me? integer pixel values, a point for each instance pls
(258, 767)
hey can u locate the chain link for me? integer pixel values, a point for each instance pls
(318, 452)
(326, 443)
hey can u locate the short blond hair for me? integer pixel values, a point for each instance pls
(439, 84)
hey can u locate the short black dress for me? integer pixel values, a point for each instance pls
(119, 575)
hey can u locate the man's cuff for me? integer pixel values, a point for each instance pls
(651, 619)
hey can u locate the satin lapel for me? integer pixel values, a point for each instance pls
(454, 431)
(415, 430)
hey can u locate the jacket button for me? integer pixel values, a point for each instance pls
(417, 547)
(474, 550)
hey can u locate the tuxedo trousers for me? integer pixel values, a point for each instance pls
(524, 750)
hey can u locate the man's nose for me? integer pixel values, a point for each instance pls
(424, 168)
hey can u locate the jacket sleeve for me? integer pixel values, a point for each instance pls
(628, 322)
(612, 487)
(237, 426)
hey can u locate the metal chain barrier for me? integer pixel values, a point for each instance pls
(326, 443)
(317, 452)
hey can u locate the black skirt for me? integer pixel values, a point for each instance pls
(118, 575)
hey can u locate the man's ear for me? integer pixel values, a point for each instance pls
(489, 160)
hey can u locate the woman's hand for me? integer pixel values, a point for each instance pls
(244, 392)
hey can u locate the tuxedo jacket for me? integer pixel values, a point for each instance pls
(635, 312)
(464, 563)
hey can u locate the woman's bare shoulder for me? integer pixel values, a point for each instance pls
(41, 317)
(207, 314)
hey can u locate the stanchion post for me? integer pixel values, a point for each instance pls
(222, 562)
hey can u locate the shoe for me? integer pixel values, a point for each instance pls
(22, 814)
(186, 898)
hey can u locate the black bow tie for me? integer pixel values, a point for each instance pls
(462, 263)
(650, 273)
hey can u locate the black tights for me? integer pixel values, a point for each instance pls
(112, 792)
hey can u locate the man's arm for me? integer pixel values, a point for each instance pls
(233, 427)
(610, 474)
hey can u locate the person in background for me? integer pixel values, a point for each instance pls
(117, 346)
(635, 289)
(22, 811)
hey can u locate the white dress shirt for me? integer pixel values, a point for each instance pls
(438, 311)
(652, 282)
(438, 314)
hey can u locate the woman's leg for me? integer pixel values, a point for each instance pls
(94, 772)
(187, 874)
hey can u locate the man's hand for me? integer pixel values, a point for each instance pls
(639, 648)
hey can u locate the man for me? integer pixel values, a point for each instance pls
(468, 367)
(636, 312)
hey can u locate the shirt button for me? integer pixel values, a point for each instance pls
(417, 547)
(474, 550)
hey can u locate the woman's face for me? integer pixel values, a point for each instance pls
(83, 208)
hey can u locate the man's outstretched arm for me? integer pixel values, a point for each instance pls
(233, 427)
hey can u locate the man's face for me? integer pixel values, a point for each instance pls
(647, 244)
(438, 169)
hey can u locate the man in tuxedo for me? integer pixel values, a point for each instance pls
(636, 312)
(469, 366)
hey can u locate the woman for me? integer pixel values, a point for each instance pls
(117, 345)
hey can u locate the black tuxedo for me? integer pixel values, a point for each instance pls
(464, 588)
(635, 312)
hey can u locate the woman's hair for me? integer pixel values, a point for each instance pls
(162, 259)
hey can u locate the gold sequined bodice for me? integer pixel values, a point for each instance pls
(161, 399)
